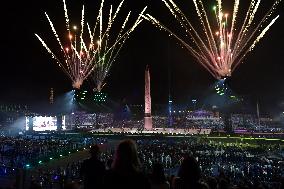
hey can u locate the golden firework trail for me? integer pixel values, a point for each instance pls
(79, 57)
(221, 46)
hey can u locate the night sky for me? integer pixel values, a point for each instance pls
(28, 71)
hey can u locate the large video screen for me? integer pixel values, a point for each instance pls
(45, 123)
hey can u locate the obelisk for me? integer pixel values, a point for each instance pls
(148, 117)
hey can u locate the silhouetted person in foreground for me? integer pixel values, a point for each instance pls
(93, 170)
(125, 172)
(158, 179)
(189, 175)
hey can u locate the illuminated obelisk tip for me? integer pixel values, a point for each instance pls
(148, 117)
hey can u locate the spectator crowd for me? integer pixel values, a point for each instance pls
(174, 164)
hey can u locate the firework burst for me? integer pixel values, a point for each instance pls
(80, 58)
(221, 46)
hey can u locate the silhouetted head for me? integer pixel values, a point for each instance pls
(189, 170)
(126, 157)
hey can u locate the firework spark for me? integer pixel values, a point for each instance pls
(221, 46)
(79, 59)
